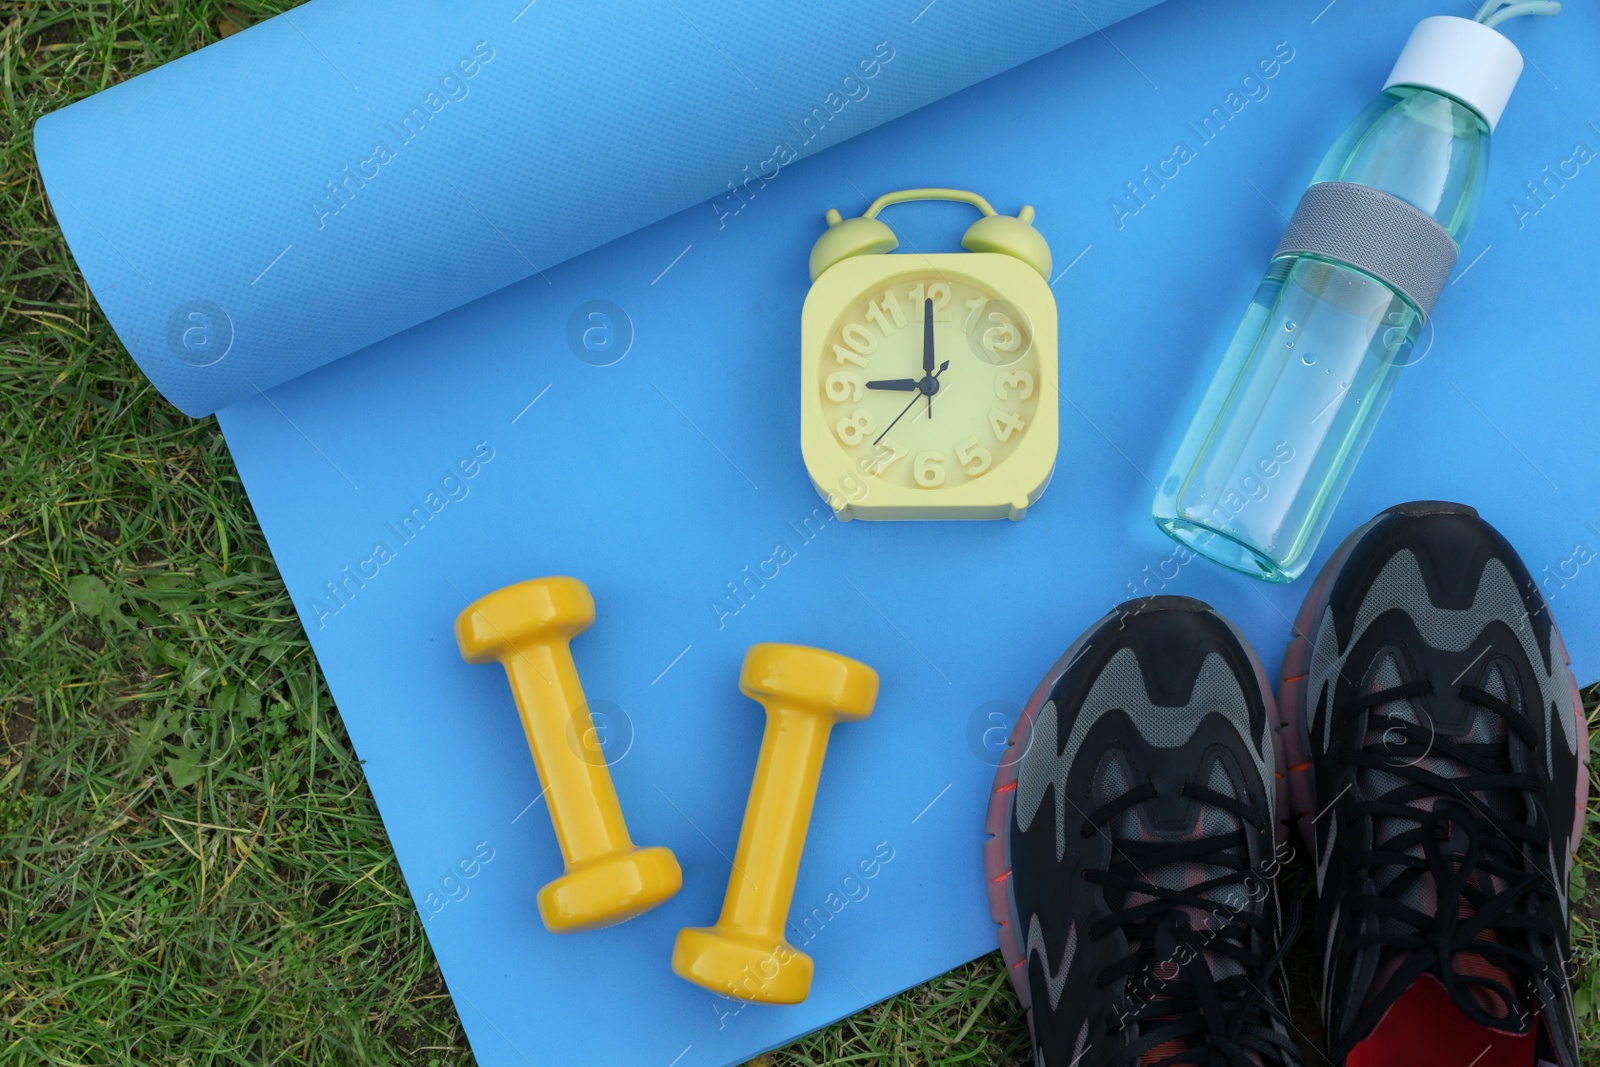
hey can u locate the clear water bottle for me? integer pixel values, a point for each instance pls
(1338, 314)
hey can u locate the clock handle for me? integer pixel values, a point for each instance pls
(960, 196)
(1011, 235)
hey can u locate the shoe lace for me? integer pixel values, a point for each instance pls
(1468, 837)
(1193, 1015)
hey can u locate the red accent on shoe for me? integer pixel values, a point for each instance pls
(1425, 1029)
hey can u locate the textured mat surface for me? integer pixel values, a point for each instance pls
(348, 169)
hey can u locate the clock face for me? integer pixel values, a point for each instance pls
(925, 404)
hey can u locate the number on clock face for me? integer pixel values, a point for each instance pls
(910, 426)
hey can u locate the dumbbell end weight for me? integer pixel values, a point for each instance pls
(837, 688)
(737, 965)
(537, 610)
(609, 890)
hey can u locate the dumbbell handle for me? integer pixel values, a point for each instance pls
(776, 817)
(582, 800)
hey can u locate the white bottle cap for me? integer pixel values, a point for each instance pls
(1460, 58)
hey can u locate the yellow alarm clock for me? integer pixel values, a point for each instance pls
(928, 381)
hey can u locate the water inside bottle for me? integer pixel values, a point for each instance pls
(1315, 359)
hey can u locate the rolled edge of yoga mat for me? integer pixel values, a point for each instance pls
(349, 169)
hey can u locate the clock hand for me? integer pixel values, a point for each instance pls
(902, 384)
(926, 387)
(897, 418)
(937, 386)
(927, 346)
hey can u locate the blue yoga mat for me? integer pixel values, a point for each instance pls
(332, 176)
(483, 445)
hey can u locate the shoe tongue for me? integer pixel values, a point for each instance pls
(1447, 719)
(1175, 819)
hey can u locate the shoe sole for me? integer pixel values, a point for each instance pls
(1002, 797)
(1293, 735)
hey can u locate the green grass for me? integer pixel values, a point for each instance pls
(193, 871)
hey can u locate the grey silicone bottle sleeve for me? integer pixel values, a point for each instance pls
(1374, 232)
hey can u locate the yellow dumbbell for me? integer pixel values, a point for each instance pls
(528, 627)
(745, 955)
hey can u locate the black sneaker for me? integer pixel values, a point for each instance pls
(1435, 745)
(1131, 849)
